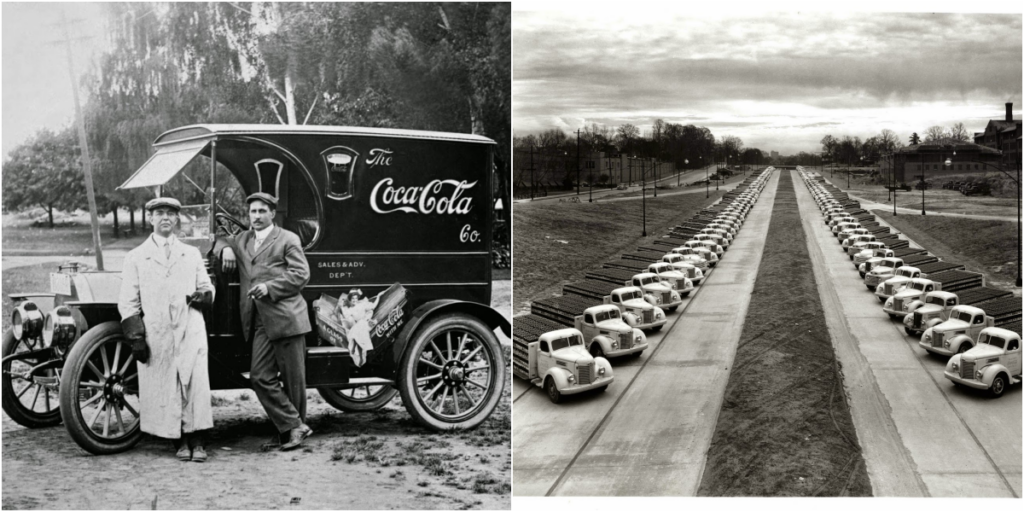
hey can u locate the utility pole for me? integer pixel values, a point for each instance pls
(577, 162)
(533, 182)
(83, 143)
(643, 187)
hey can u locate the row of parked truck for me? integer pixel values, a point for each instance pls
(956, 316)
(564, 344)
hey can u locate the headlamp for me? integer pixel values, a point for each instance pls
(60, 328)
(26, 321)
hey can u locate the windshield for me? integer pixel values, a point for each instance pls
(646, 280)
(992, 340)
(936, 300)
(918, 286)
(906, 273)
(608, 315)
(963, 315)
(566, 342)
(630, 295)
(887, 263)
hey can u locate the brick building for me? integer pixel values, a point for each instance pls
(930, 159)
(1004, 135)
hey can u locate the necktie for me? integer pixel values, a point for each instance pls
(167, 250)
(256, 246)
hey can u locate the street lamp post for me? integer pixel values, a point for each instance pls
(657, 167)
(533, 182)
(577, 162)
(643, 187)
(707, 180)
(590, 162)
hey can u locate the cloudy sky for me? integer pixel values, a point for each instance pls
(778, 80)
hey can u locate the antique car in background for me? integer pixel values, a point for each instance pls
(372, 208)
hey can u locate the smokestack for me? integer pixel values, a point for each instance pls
(1009, 111)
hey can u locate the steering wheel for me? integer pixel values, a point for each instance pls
(228, 225)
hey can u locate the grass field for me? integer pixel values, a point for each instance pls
(20, 238)
(785, 427)
(555, 243)
(986, 246)
(936, 199)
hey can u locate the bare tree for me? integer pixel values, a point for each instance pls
(935, 134)
(959, 133)
(626, 135)
(889, 140)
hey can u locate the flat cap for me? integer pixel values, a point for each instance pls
(262, 196)
(168, 202)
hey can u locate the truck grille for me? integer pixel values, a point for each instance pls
(888, 289)
(626, 340)
(966, 369)
(917, 319)
(648, 316)
(897, 305)
(937, 339)
(691, 272)
(586, 374)
(666, 297)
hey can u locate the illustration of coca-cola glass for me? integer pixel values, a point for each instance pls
(340, 164)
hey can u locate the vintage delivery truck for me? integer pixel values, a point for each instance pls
(372, 208)
(547, 354)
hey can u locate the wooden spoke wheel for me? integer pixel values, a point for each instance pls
(365, 398)
(99, 394)
(30, 401)
(452, 373)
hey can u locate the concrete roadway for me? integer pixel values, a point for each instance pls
(648, 435)
(599, 194)
(920, 435)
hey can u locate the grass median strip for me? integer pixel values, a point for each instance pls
(785, 426)
(556, 243)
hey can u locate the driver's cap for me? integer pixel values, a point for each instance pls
(166, 202)
(262, 196)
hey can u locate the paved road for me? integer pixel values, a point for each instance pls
(599, 195)
(647, 435)
(920, 435)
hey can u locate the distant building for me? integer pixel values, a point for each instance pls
(1004, 135)
(775, 155)
(929, 159)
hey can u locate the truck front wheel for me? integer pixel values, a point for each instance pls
(595, 350)
(30, 403)
(998, 386)
(452, 373)
(358, 399)
(552, 390)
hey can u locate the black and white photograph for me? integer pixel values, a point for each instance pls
(257, 255)
(766, 250)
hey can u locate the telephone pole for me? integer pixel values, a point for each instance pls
(577, 162)
(83, 143)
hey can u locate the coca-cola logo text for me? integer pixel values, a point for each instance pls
(439, 196)
(383, 328)
(379, 157)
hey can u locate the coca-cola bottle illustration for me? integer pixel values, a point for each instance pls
(340, 162)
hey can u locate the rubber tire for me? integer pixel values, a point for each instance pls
(911, 332)
(407, 371)
(339, 401)
(892, 316)
(964, 347)
(998, 386)
(658, 328)
(551, 390)
(12, 406)
(862, 274)
(601, 389)
(673, 309)
(595, 350)
(69, 410)
(880, 299)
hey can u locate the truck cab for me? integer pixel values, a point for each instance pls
(871, 250)
(658, 293)
(689, 255)
(676, 278)
(844, 218)
(885, 288)
(899, 304)
(559, 362)
(958, 333)
(725, 226)
(933, 311)
(706, 244)
(680, 263)
(725, 234)
(993, 365)
(880, 270)
(856, 243)
(718, 244)
(606, 335)
(636, 312)
(851, 231)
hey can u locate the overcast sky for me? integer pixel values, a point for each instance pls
(36, 84)
(778, 80)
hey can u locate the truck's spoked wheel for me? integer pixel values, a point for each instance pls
(358, 399)
(29, 402)
(452, 373)
(100, 393)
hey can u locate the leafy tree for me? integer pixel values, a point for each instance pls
(44, 171)
(914, 139)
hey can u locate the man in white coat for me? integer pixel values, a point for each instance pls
(164, 290)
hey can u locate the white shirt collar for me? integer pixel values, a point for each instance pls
(162, 240)
(262, 233)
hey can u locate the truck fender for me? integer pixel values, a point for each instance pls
(604, 341)
(630, 319)
(560, 375)
(908, 320)
(913, 306)
(932, 323)
(651, 299)
(638, 334)
(988, 373)
(484, 313)
(601, 362)
(956, 341)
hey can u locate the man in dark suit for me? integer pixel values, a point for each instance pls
(273, 270)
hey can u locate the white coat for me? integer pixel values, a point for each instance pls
(176, 335)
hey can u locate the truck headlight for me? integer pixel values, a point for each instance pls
(571, 379)
(906, 307)
(600, 370)
(59, 328)
(977, 375)
(615, 345)
(945, 344)
(956, 367)
(26, 321)
(927, 336)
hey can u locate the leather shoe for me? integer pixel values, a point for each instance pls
(198, 454)
(295, 437)
(184, 453)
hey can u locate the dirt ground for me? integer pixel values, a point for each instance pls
(785, 426)
(380, 460)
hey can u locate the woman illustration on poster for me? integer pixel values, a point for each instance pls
(356, 314)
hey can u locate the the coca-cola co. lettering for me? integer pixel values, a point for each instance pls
(439, 196)
(383, 328)
(379, 157)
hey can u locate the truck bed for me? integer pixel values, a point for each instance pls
(633, 265)
(611, 275)
(1013, 326)
(940, 266)
(916, 260)
(661, 250)
(903, 252)
(895, 243)
(590, 288)
(981, 294)
(645, 256)
(956, 280)
(525, 330)
(564, 309)
(1004, 311)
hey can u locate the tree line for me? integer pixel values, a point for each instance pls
(424, 66)
(851, 150)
